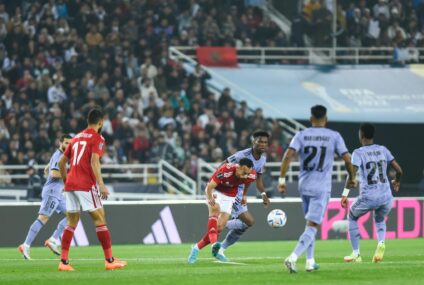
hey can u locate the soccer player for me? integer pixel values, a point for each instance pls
(52, 201)
(82, 186)
(375, 195)
(221, 192)
(316, 147)
(242, 218)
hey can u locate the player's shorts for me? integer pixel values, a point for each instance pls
(314, 206)
(87, 201)
(225, 202)
(363, 205)
(51, 204)
(238, 207)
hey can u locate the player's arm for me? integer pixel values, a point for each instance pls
(399, 173)
(55, 174)
(348, 185)
(209, 188)
(245, 189)
(62, 167)
(46, 170)
(261, 188)
(350, 182)
(95, 166)
(285, 163)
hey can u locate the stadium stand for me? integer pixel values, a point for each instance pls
(60, 58)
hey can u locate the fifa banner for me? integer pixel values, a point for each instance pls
(174, 222)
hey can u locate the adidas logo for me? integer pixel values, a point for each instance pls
(164, 230)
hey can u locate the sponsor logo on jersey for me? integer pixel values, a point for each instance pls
(228, 174)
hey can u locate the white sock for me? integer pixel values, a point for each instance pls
(310, 260)
(293, 257)
(221, 251)
(195, 246)
(356, 252)
(381, 242)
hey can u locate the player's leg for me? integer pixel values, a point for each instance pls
(211, 233)
(225, 206)
(53, 243)
(357, 210)
(237, 226)
(73, 215)
(314, 208)
(379, 216)
(33, 231)
(222, 221)
(47, 208)
(91, 202)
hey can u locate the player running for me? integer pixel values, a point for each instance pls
(221, 192)
(316, 147)
(52, 201)
(375, 194)
(82, 186)
(242, 219)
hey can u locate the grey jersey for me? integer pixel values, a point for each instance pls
(54, 186)
(316, 148)
(258, 165)
(372, 162)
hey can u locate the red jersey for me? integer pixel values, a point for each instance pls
(227, 181)
(79, 152)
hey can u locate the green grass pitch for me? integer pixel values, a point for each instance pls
(259, 263)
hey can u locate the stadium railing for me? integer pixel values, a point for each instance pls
(124, 181)
(339, 55)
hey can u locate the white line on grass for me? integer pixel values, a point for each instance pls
(230, 262)
(177, 259)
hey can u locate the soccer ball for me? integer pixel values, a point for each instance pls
(277, 218)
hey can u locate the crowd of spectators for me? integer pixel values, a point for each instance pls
(361, 23)
(60, 58)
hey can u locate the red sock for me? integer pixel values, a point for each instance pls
(213, 229)
(103, 235)
(67, 236)
(204, 241)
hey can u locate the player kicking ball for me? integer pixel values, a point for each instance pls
(242, 219)
(221, 192)
(52, 201)
(375, 194)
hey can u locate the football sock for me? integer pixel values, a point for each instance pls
(310, 250)
(211, 232)
(213, 229)
(68, 234)
(103, 235)
(34, 229)
(236, 224)
(381, 231)
(59, 230)
(305, 240)
(204, 241)
(233, 236)
(354, 234)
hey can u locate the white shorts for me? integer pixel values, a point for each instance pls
(225, 202)
(87, 201)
